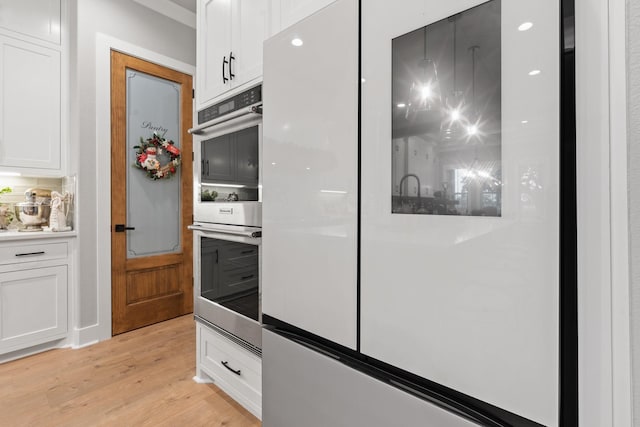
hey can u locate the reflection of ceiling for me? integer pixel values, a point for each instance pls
(479, 26)
(187, 4)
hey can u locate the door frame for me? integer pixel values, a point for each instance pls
(104, 45)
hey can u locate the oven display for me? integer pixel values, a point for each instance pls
(225, 108)
(229, 275)
(244, 99)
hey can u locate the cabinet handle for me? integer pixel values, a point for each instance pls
(217, 256)
(247, 252)
(246, 277)
(207, 167)
(226, 365)
(224, 77)
(231, 58)
(201, 167)
(32, 253)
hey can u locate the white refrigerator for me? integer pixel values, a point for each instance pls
(413, 215)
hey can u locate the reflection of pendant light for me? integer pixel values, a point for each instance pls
(473, 125)
(452, 127)
(424, 94)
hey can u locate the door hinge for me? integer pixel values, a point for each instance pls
(193, 156)
(193, 93)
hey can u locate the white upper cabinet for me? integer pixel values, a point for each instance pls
(35, 18)
(229, 46)
(288, 12)
(30, 97)
(33, 87)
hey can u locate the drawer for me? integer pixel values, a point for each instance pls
(244, 386)
(30, 252)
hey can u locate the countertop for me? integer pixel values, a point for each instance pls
(9, 235)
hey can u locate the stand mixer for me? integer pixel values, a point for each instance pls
(31, 213)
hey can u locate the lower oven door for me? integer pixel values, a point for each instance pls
(227, 280)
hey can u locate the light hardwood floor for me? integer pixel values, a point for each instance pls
(139, 378)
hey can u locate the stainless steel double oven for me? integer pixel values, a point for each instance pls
(228, 215)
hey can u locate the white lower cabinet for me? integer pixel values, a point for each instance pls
(33, 294)
(33, 307)
(232, 367)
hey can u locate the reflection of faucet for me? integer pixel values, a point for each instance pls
(407, 176)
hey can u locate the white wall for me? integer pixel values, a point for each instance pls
(133, 23)
(633, 114)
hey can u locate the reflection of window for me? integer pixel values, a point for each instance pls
(461, 177)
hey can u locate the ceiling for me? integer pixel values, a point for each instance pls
(187, 4)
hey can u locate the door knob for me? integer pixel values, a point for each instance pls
(121, 228)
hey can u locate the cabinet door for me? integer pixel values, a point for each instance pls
(30, 105)
(36, 18)
(218, 158)
(247, 156)
(33, 307)
(251, 25)
(213, 47)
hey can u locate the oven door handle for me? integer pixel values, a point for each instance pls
(252, 234)
(253, 109)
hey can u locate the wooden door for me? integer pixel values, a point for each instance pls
(152, 274)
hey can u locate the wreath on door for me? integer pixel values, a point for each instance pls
(147, 157)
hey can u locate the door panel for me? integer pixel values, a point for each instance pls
(310, 176)
(470, 284)
(152, 103)
(151, 264)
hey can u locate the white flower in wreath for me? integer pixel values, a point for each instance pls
(160, 174)
(175, 162)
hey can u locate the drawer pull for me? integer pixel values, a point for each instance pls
(226, 365)
(31, 253)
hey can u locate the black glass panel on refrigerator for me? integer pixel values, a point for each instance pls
(446, 116)
(230, 167)
(229, 275)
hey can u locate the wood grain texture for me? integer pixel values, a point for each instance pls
(140, 378)
(139, 299)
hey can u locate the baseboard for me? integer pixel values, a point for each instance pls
(202, 380)
(84, 337)
(19, 354)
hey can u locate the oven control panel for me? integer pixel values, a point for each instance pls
(241, 100)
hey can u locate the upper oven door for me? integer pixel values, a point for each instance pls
(227, 171)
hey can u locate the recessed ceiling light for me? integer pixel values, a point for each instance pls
(401, 105)
(525, 26)
(308, 169)
(534, 72)
(297, 42)
(363, 80)
(524, 122)
(273, 163)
